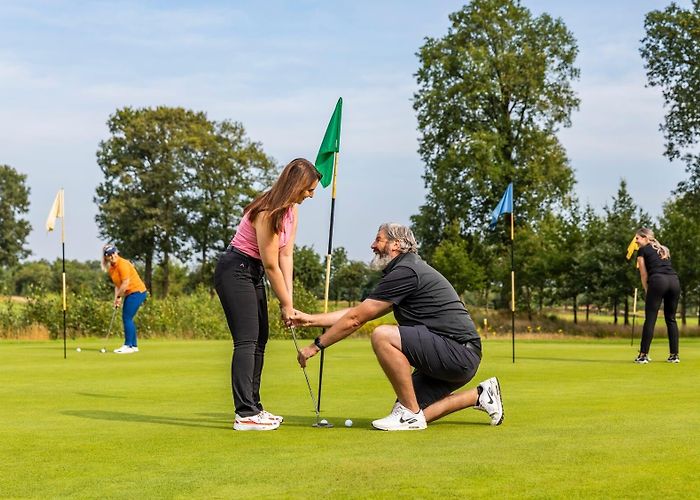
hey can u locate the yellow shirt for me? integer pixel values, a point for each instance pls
(121, 270)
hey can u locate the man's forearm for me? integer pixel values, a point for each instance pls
(342, 327)
(324, 320)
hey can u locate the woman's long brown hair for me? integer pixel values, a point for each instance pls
(296, 177)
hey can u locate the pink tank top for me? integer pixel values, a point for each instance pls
(246, 239)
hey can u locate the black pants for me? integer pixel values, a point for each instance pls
(660, 287)
(238, 280)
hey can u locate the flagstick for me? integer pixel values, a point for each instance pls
(512, 278)
(328, 277)
(63, 275)
(634, 315)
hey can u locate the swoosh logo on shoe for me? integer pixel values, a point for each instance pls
(253, 422)
(410, 420)
(488, 393)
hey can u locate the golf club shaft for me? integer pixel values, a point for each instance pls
(303, 369)
(111, 322)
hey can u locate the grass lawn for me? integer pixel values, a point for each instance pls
(581, 420)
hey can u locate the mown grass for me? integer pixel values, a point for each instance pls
(581, 421)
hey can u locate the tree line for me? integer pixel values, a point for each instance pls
(492, 95)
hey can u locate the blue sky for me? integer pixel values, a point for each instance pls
(278, 68)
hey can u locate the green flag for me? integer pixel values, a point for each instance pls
(329, 146)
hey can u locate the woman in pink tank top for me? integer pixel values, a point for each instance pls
(263, 246)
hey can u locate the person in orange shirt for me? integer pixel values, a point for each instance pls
(127, 284)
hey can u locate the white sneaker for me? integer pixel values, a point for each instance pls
(125, 349)
(134, 348)
(272, 416)
(255, 423)
(401, 419)
(490, 400)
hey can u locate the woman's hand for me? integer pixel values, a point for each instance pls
(287, 314)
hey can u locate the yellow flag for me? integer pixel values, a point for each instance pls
(632, 247)
(56, 211)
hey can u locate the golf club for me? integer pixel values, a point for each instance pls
(109, 330)
(308, 384)
(634, 316)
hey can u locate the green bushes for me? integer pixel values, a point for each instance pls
(200, 316)
(195, 316)
(12, 318)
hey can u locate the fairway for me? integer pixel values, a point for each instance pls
(581, 420)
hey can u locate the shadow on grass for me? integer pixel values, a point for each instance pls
(211, 423)
(224, 420)
(461, 423)
(575, 360)
(97, 395)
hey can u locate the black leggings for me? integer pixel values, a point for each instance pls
(660, 287)
(238, 280)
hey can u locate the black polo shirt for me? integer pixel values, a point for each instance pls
(653, 261)
(422, 296)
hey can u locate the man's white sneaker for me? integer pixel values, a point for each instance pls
(401, 419)
(272, 416)
(125, 349)
(134, 348)
(490, 400)
(257, 422)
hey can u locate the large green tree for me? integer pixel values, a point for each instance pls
(671, 53)
(680, 231)
(308, 269)
(619, 277)
(14, 204)
(454, 259)
(339, 260)
(350, 280)
(224, 171)
(492, 94)
(591, 268)
(174, 183)
(143, 166)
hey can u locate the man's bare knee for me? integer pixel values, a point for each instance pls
(386, 335)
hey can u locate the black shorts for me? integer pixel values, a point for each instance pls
(442, 365)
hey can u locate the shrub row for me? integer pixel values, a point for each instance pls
(197, 316)
(200, 316)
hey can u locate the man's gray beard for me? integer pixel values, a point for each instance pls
(379, 262)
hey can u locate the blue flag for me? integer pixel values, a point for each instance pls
(505, 206)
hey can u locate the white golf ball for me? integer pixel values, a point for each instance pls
(103, 350)
(77, 349)
(323, 421)
(348, 423)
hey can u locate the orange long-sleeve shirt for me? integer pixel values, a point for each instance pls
(121, 270)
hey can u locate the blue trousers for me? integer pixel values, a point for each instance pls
(130, 307)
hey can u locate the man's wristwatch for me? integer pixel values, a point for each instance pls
(317, 343)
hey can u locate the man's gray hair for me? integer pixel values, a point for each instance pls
(402, 234)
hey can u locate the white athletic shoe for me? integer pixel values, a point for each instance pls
(272, 416)
(257, 422)
(134, 348)
(642, 359)
(401, 419)
(490, 400)
(125, 349)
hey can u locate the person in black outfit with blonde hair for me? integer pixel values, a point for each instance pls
(660, 282)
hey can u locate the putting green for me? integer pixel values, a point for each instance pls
(581, 420)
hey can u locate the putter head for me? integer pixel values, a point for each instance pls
(323, 424)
